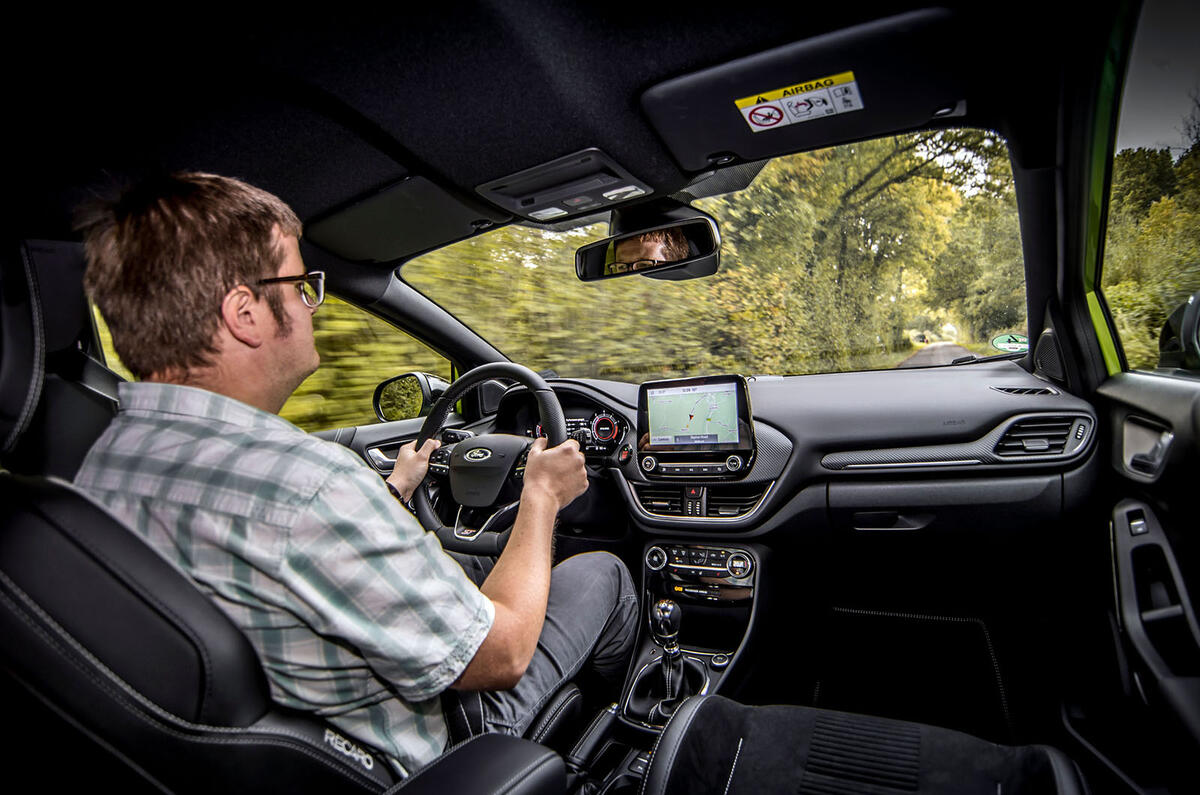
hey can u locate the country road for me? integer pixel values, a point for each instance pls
(935, 353)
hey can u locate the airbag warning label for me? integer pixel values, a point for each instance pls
(800, 102)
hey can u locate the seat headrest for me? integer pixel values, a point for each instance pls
(59, 270)
(22, 345)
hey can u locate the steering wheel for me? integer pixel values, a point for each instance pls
(484, 472)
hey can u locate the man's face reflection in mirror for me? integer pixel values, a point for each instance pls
(649, 249)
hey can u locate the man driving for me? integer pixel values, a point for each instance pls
(356, 613)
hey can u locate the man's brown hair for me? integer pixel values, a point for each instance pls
(675, 245)
(162, 256)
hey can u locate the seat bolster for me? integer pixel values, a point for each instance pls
(1067, 780)
(557, 717)
(497, 764)
(662, 757)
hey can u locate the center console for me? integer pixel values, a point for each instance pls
(699, 599)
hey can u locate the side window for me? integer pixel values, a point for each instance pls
(1152, 249)
(358, 350)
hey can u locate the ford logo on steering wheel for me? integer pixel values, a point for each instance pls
(478, 454)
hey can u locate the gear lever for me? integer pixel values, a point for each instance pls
(665, 617)
(655, 694)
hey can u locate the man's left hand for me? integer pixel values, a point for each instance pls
(411, 466)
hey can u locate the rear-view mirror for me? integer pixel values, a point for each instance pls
(679, 250)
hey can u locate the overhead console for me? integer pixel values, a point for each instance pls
(695, 428)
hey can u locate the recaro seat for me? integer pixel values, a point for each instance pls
(116, 646)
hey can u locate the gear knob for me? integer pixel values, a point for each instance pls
(665, 617)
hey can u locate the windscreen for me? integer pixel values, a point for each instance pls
(897, 252)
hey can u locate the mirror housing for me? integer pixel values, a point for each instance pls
(406, 396)
(664, 240)
(1179, 342)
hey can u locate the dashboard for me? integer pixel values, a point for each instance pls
(840, 446)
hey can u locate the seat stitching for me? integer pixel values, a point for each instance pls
(528, 770)
(733, 767)
(548, 720)
(682, 732)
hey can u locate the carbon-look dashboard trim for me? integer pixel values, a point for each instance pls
(973, 453)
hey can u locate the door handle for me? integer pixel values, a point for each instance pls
(890, 520)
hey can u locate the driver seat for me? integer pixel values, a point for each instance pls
(114, 660)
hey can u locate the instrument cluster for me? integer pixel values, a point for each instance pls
(604, 434)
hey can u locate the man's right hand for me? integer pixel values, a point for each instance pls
(557, 472)
(520, 582)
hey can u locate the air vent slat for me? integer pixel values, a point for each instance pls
(664, 500)
(1025, 390)
(731, 501)
(1036, 436)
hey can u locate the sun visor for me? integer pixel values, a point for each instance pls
(885, 76)
(402, 220)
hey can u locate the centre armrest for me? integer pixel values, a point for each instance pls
(491, 763)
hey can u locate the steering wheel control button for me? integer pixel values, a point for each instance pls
(733, 463)
(719, 662)
(625, 454)
(738, 565)
(649, 463)
(656, 558)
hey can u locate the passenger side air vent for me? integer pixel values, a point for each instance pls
(730, 501)
(1041, 436)
(663, 500)
(1026, 390)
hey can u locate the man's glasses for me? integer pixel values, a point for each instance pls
(621, 267)
(311, 286)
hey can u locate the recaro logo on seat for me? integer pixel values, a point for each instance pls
(344, 746)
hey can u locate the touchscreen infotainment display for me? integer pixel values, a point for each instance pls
(704, 414)
(688, 416)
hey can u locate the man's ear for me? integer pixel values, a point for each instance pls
(241, 314)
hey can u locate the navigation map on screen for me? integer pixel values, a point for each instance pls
(706, 414)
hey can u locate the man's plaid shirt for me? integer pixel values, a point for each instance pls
(356, 613)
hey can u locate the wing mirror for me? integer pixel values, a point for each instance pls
(1179, 342)
(404, 397)
(678, 242)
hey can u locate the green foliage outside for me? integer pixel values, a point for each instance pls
(358, 352)
(401, 399)
(1152, 248)
(833, 260)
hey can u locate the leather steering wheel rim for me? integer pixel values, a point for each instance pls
(554, 424)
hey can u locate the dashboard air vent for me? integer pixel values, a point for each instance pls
(1036, 436)
(1026, 390)
(663, 500)
(733, 500)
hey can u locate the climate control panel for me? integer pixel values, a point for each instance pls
(700, 572)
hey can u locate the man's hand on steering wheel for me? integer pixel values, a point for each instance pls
(411, 466)
(559, 472)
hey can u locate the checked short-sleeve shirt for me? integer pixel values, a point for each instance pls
(356, 613)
